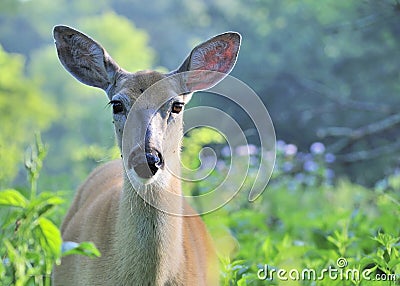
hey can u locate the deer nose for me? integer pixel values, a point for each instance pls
(153, 163)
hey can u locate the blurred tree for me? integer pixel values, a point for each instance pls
(127, 45)
(23, 110)
(25, 25)
(8, 6)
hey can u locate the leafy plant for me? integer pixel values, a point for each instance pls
(31, 242)
(305, 220)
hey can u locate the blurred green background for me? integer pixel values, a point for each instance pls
(327, 71)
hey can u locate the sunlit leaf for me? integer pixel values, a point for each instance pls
(393, 263)
(51, 236)
(50, 198)
(13, 198)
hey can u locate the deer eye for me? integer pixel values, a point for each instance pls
(117, 106)
(177, 107)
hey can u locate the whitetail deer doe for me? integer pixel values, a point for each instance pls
(140, 245)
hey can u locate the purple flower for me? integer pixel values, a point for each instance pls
(290, 150)
(226, 151)
(299, 177)
(310, 166)
(280, 145)
(253, 149)
(330, 158)
(287, 166)
(317, 148)
(244, 150)
(220, 166)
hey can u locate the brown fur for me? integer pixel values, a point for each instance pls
(94, 216)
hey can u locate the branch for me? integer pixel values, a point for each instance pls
(350, 135)
(368, 154)
(327, 92)
(356, 134)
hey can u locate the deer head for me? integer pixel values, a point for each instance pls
(156, 109)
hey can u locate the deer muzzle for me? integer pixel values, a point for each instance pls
(153, 163)
(146, 163)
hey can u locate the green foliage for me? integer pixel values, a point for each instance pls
(8, 6)
(30, 241)
(232, 272)
(304, 220)
(312, 230)
(13, 198)
(195, 141)
(127, 45)
(311, 226)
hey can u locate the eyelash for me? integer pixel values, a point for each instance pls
(117, 106)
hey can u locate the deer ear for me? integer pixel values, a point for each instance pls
(84, 58)
(211, 61)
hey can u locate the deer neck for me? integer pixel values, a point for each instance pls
(148, 241)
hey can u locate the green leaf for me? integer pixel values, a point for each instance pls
(393, 263)
(84, 248)
(51, 236)
(242, 281)
(2, 270)
(13, 198)
(366, 261)
(45, 202)
(11, 251)
(44, 209)
(51, 198)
